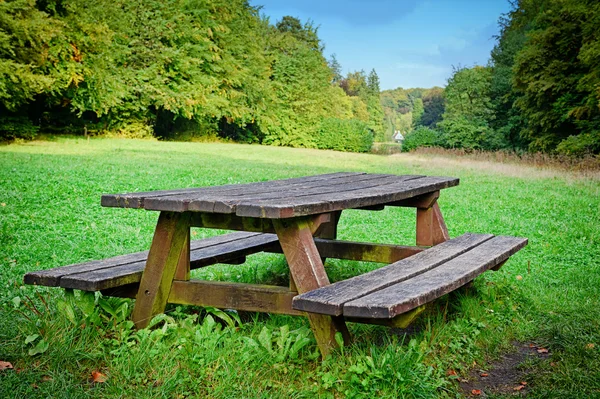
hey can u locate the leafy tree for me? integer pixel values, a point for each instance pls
(306, 32)
(468, 111)
(433, 107)
(417, 112)
(557, 74)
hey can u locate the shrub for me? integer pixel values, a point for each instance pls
(421, 137)
(580, 145)
(344, 135)
(17, 127)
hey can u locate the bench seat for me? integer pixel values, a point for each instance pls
(127, 269)
(409, 283)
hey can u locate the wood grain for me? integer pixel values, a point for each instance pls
(167, 245)
(306, 268)
(136, 200)
(425, 287)
(225, 295)
(330, 299)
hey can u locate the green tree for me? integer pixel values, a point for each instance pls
(469, 110)
(433, 107)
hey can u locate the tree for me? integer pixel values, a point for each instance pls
(469, 110)
(336, 70)
(433, 107)
(373, 83)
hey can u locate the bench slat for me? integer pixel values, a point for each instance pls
(116, 276)
(53, 277)
(410, 294)
(330, 299)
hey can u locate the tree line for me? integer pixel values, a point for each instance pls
(176, 69)
(539, 92)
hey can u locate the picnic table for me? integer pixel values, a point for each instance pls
(299, 218)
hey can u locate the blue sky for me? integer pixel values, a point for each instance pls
(410, 43)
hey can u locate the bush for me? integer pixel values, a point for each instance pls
(17, 127)
(580, 145)
(344, 135)
(421, 137)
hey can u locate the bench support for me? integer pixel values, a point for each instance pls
(431, 228)
(166, 252)
(308, 273)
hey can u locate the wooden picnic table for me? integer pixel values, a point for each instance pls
(302, 212)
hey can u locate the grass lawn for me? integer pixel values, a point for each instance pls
(50, 215)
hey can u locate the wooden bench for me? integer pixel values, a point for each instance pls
(125, 270)
(405, 285)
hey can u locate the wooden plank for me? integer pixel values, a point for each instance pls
(167, 245)
(231, 222)
(409, 294)
(420, 201)
(330, 299)
(225, 295)
(220, 202)
(314, 204)
(440, 231)
(360, 251)
(102, 279)
(401, 321)
(137, 200)
(183, 266)
(304, 261)
(425, 227)
(52, 277)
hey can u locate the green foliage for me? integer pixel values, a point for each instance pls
(421, 137)
(546, 76)
(17, 127)
(469, 110)
(183, 68)
(344, 135)
(433, 107)
(417, 112)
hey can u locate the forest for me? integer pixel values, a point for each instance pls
(209, 69)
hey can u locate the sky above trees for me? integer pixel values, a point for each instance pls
(410, 43)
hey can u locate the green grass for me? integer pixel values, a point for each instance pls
(50, 215)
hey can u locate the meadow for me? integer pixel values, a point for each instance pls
(546, 296)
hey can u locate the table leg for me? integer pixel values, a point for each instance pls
(166, 252)
(431, 228)
(329, 229)
(308, 273)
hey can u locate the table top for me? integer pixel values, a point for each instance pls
(287, 198)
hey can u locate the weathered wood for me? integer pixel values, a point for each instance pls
(227, 202)
(231, 222)
(420, 201)
(295, 238)
(339, 200)
(225, 295)
(425, 287)
(52, 277)
(230, 248)
(425, 227)
(167, 245)
(440, 231)
(282, 199)
(331, 299)
(401, 321)
(360, 251)
(136, 200)
(183, 266)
